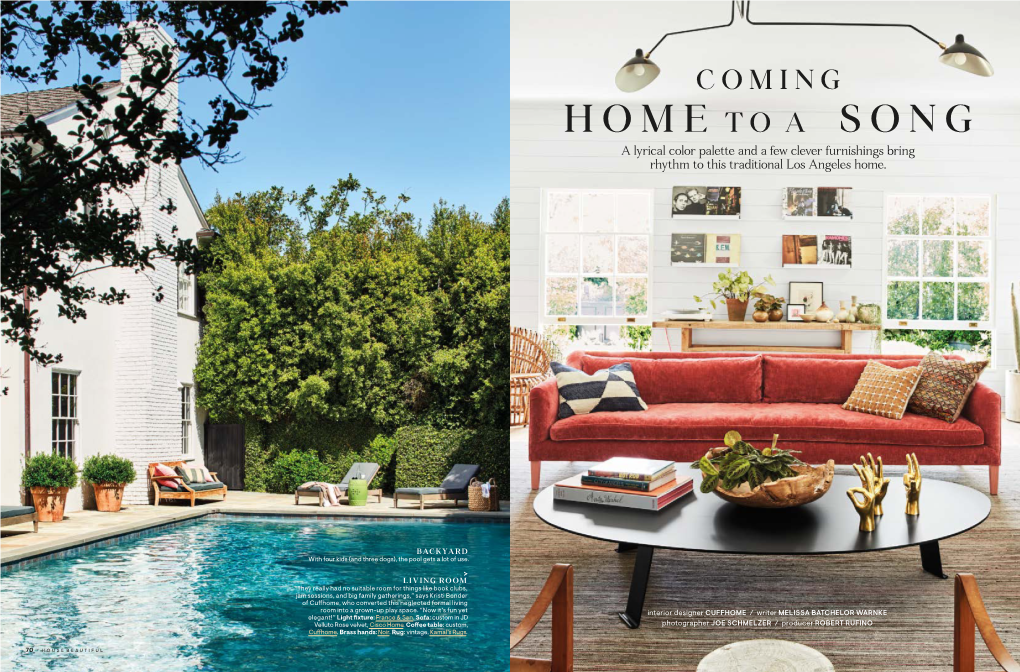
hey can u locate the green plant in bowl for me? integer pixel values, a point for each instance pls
(743, 463)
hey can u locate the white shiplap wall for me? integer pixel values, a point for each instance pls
(983, 160)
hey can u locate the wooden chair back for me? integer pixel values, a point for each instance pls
(529, 351)
(969, 613)
(559, 592)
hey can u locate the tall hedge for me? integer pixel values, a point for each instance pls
(424, 455)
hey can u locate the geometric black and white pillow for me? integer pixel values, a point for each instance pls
(611, 389)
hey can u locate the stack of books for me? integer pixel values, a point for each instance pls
(626, 482)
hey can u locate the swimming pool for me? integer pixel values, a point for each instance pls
(219, 594)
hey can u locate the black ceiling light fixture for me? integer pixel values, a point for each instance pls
(640, 71)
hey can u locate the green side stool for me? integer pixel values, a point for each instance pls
(357, 492)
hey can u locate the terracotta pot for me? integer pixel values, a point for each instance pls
(108, 496)
(775, 315)
(760, 316)
(736, 309)
(49, 503)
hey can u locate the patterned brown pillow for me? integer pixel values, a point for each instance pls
(944, 387)
(883, 390)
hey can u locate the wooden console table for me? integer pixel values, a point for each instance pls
(688, 327)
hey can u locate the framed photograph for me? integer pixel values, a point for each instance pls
(834, 202)
(808, 294)
(689, 201)
(794, 312)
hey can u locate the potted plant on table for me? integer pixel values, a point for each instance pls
(736, 289)
(767, 307)
(108, 475)
(48, 477)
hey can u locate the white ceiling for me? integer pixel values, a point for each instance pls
(572, 50)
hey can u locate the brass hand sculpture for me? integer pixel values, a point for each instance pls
(882, 484)
(912, 482)
(866, 505)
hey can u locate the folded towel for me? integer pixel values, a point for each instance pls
(332, 497)
(485, 490)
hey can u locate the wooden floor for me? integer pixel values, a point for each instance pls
(915, 636)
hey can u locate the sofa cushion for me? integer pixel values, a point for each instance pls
(819, 381)
(944, 387)
(166, 483)
(197, 487)
(610, 389)
(757, 423)
(883, 390)
(12, 511)
(719, 379)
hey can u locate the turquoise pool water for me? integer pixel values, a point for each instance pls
(219, 594)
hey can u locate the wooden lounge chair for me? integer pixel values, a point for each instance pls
(369, 469)
(13, 515)
(558, 591)
(189, 491)
(454, 487)
(970, 612)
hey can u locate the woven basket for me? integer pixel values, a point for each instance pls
(475, 500)
(493, 495)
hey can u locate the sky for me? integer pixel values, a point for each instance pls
(410, 97)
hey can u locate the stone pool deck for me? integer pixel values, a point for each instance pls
(84, 527)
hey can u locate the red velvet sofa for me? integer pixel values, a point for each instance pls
(695, 398)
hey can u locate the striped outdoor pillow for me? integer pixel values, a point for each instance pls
(196, 474)
(611, 389)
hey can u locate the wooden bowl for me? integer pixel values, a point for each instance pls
(807, 317)
(809, 484)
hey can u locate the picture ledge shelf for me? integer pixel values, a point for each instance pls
(829, 267)
(682, 264)
(814, 218)
(710, 217)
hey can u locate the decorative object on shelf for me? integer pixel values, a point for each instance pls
(704, 248)
(698, 314)
(640, 71)
(530, 354)
(853, 309)
(795, 312)
(1013, 377)
(696, 201)
(844, 314)
(808, 293)
(800, 250)
(869, 313)
(768, 479)
(868, 492)
(767, 307)
(807, 317)
(736, 289)
(837, 251)
(823, 313)
(882, 483)
(799, 202)
(912, 484)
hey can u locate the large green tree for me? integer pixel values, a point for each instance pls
(350, 314)
(50, 238)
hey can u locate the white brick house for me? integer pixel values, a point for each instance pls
(125, 384)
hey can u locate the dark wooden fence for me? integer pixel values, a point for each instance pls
(224, 453)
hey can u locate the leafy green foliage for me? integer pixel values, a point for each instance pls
(424, 455)
(291, 469)
(108, 469)
(732, 285)
(355, 317)
(49, 470)
(743, 463)
(50, 240)
(943, 340)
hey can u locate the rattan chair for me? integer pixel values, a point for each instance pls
(529, 366)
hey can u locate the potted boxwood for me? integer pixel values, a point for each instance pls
(48, 477)
(108, 475)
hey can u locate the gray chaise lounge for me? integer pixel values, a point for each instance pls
(454, 487)
(12, 515)
(369, 469)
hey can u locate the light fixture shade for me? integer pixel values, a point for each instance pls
(965, 57)
(636, 74)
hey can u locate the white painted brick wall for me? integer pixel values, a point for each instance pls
(148, 423)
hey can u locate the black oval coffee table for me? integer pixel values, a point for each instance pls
(708, 524)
